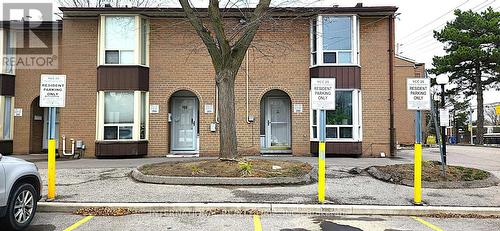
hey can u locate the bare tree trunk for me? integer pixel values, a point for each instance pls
(227, 115)
(480, 110)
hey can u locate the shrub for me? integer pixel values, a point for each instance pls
(245, 168)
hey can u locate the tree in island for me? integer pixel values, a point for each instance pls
(227, 54)
(472, 56)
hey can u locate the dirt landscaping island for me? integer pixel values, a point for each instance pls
(217, 172)
(456, 176)
(217, 168)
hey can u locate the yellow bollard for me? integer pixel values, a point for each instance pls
(417, 178)
(321, 172)
(51, 175)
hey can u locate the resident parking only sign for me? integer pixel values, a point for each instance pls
(323, 93)
(418, 94)
(53, 91)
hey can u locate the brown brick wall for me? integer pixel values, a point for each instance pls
(374, 46)
(27, 90)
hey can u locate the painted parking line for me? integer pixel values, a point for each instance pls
(78, 223)
(431, 226)
(257, 226)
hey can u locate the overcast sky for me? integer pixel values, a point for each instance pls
(414, 25)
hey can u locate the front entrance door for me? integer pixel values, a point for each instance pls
(278, 123)
(184, 124)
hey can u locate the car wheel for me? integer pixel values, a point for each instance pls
(21, 207)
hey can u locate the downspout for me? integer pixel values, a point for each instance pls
(216, 104)
(247, 75)
(391, 85)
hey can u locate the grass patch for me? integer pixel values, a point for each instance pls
(431, 172)
(218, 168)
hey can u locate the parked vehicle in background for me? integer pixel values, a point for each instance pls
(20, 187)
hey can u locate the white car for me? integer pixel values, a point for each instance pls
(20, 187)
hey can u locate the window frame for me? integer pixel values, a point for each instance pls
(357, 133)
(141, 46)
(2, 117)
(136, 124)
(318, 20)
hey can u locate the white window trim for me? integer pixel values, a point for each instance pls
(355, 60)
(357, 132)
(2, 113)
(136, 125)
(137, 48)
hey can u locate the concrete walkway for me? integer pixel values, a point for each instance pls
(91, 180)
(107, 180)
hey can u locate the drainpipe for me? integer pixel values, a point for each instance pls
(247, 75)
(391, 85)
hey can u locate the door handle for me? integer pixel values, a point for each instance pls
(193, 122)
(268, 122)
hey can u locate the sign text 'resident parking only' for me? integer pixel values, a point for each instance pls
(418, 93)
(323, 93)
(53, 91)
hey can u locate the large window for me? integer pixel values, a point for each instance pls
(7, 51)
(343, 123)
(118, 115)
(7, 117)
(334, 40)
(122, 115)
(124, 40)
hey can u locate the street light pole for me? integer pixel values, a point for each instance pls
(443, 128)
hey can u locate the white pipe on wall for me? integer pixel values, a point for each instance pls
(247, 75)
(64, 147)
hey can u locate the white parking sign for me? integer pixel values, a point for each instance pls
(53, 91)
(418, 91)
(323, 93)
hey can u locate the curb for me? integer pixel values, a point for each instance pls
(179, 180)
(274, 208)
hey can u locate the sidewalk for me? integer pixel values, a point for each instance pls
(114, 185)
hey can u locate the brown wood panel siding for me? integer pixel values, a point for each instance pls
(338, 148)
(122, 78)
(348, 77)
(121, 148)
(6, 147)
(7, 85)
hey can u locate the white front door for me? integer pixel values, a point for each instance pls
(46, 126)
(278, 123)
(184, 124)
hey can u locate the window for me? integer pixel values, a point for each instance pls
(334, 40)
(343, 123)
(118, 115)
(124, 40)
(122, 115)
(8, 52)
(7, 118)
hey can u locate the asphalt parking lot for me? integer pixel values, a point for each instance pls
(156, 221)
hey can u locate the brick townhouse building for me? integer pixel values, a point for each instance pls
(140, 82)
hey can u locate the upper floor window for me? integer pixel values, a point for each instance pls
(334, 40)
(124, 40)
(7, 51)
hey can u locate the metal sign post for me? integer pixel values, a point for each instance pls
(52, 96)
(418, 98)
(322, 99)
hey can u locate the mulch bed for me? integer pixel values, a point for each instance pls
(431, 172)
(219, 168)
